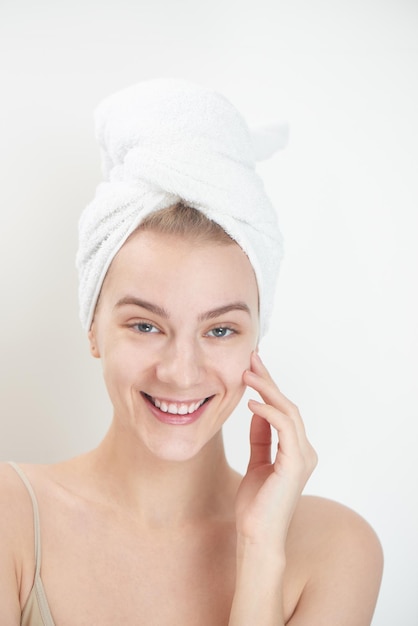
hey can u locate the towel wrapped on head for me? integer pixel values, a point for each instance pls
(164, 141)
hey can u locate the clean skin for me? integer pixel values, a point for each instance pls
(175, 328)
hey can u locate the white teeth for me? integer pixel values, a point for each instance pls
(177, 409)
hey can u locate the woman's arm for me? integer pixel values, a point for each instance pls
(259, 587)
(267, 501)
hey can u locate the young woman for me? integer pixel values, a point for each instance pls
(153, 526)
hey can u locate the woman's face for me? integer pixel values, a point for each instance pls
(175, 327)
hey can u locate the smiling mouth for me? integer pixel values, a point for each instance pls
(176, 408)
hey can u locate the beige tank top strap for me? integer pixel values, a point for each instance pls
(36, 611)
(36, 523)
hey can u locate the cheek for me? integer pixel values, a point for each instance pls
(121, 364)
(234, 364)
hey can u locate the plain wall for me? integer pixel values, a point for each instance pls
(343, 343)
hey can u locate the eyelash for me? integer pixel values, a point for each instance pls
(230, 331)
(137, 328)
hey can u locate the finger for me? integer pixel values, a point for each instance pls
(272, 396)
(260, 441)
(259, 378)
(292, 451)
(284, 425)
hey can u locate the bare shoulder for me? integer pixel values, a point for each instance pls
(14, 499)
(324, 520)
(16, 544)
(16, 520)
(343, 561)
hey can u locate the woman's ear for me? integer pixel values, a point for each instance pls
(94, 350)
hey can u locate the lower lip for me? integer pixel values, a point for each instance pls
(173, 419)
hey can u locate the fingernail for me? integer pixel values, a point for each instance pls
(252, 401)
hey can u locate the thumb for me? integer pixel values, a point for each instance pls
(260, 442)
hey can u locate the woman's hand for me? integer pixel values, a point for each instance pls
(344, 580)
(266, 501)
(270, 490)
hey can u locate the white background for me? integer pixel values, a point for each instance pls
(344, 340)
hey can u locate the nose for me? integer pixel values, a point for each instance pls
(180, 364)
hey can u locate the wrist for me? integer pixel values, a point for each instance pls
(259, 586)
(263, 553)
(263, 563)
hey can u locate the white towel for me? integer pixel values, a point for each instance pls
(166, 140)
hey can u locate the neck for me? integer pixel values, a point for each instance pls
(160, 492)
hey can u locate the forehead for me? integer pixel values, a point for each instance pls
(176, 267)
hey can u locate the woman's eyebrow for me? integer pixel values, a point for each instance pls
(234, 306)
(208, 315)
(149, 306)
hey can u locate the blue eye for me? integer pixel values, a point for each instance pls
(145, 327)
(221, 332)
